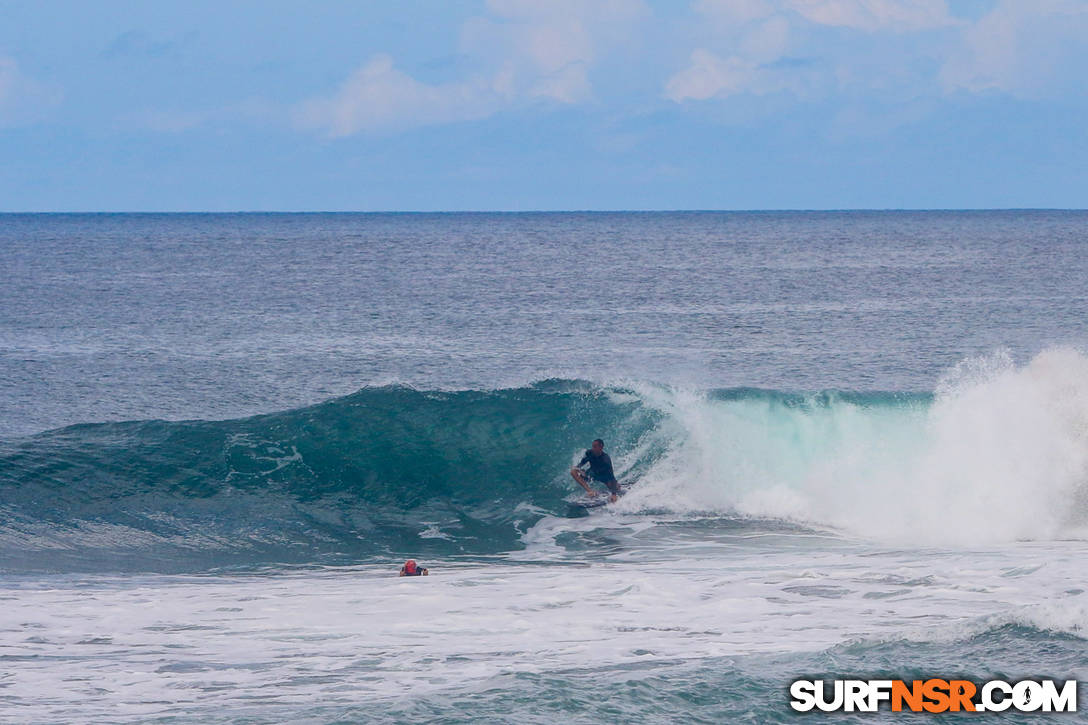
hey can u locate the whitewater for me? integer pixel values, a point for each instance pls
(859, 443)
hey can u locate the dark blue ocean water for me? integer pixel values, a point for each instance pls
(132, 316)
(859, 442)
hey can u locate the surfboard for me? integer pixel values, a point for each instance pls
(602, 499)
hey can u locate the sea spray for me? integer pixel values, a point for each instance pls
(999, 453)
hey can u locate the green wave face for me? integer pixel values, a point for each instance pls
(385, 470)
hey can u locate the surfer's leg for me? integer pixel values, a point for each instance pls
(578, 475)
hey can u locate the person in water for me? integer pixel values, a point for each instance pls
(410, 568)
(600, 469)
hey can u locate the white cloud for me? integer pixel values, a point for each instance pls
(894, 49)
(765, 46)
(1029, 50)
(378, 96)
(550, 37)
(22, 99)
(766, 40)
(524, 51)
(746, 35)
(567, 85)
(710, 75)
(901, 16)
(548, 48)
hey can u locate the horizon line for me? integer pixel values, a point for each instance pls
(544, 211)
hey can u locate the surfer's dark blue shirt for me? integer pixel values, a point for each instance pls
(600, 467)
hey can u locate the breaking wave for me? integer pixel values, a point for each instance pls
(998, 452)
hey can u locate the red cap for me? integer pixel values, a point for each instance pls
(410, 566)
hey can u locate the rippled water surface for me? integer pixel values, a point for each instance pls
(858, 444)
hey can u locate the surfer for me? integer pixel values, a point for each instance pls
(410, 568)
(600, 469)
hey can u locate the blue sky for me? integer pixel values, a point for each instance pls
(520, 105)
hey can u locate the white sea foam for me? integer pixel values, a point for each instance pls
(1000, 454)
(134, 648)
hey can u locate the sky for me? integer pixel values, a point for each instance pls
(542, 104)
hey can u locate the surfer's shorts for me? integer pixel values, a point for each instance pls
(613, 486)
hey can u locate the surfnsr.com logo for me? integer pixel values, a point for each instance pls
(934, 695)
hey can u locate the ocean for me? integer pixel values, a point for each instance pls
(858, 443)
